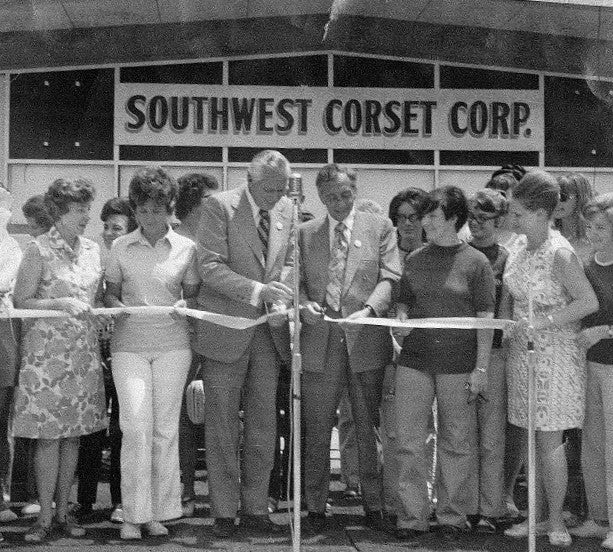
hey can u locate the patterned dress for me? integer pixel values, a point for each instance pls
(61, 389)
(560, 363)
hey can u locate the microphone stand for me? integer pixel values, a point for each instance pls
(296, 196)
(531, 429)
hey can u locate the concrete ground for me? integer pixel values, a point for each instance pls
(345, 532)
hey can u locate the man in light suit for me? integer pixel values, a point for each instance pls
(347, 271)
(243, 245)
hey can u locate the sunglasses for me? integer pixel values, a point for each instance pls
(407, 218)
(481, 219)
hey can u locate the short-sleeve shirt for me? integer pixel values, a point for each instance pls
(444, 282)
(151, 275)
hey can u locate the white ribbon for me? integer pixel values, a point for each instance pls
(235, 322)
(240, 323)
(458, 323)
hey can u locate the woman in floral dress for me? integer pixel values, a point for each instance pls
(545, 273)
(61, 390)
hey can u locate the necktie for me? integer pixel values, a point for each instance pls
(264, 230)
(336, 268)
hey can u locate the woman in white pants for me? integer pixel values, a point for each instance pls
(151, 355)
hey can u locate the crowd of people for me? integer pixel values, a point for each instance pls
(437, 416)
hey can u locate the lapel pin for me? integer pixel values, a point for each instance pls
(357, 243)
(279, 226)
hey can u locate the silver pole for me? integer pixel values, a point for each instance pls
(295, 193)
(531, 430)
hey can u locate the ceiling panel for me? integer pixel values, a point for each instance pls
(563, 18)
(110, 13)
(18, 15)
(175, 11)
(266, 8)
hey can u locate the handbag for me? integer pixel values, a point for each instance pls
(194, 401)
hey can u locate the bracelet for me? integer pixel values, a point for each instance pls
(550, 318)
(481, 369)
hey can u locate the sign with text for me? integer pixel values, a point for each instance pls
(308, 117)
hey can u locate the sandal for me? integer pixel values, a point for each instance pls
(559, 538)
(69, 527)
(37, 533)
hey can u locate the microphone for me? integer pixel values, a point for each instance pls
(294, 191)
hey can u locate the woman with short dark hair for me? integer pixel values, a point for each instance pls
(151, 355)
(61, 390)
(446, 277)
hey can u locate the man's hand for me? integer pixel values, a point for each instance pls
(275, 291)
(277, 314)
(311, 312)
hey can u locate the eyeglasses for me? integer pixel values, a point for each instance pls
(407, 218)
(481, 219)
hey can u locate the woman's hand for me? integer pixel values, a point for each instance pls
(72, 306)
(401, 315)
(590, 336)
(476, 385)
(175, 314)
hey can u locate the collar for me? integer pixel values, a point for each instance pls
(56, 241)
(347, 221)
(137, 237)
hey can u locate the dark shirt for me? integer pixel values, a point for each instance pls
(444, 282)
(497, 255)
(601, 278)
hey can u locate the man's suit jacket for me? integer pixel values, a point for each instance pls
(371, 268)
(230, 262)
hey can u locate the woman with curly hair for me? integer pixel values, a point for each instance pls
(60, 396)
(151, 355)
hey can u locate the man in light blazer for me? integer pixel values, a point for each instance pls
(243, 245)
(337, 356)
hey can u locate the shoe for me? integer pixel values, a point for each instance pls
(7, 515)
(351, 492)
(31, 509)
(512, 510)
(472, 520)
(374, 520)
(117, 514)
(608, 542)
(559, 538)
(188, 506)
(260, 524)
(69, 527)
(450, 532)
(37, 533)
(520, 530)
(155, 529)
(408, 536)
(316, 523)
(273, 504)
(130, 531)
(590, 529)
(488, 525)
(224, 527)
